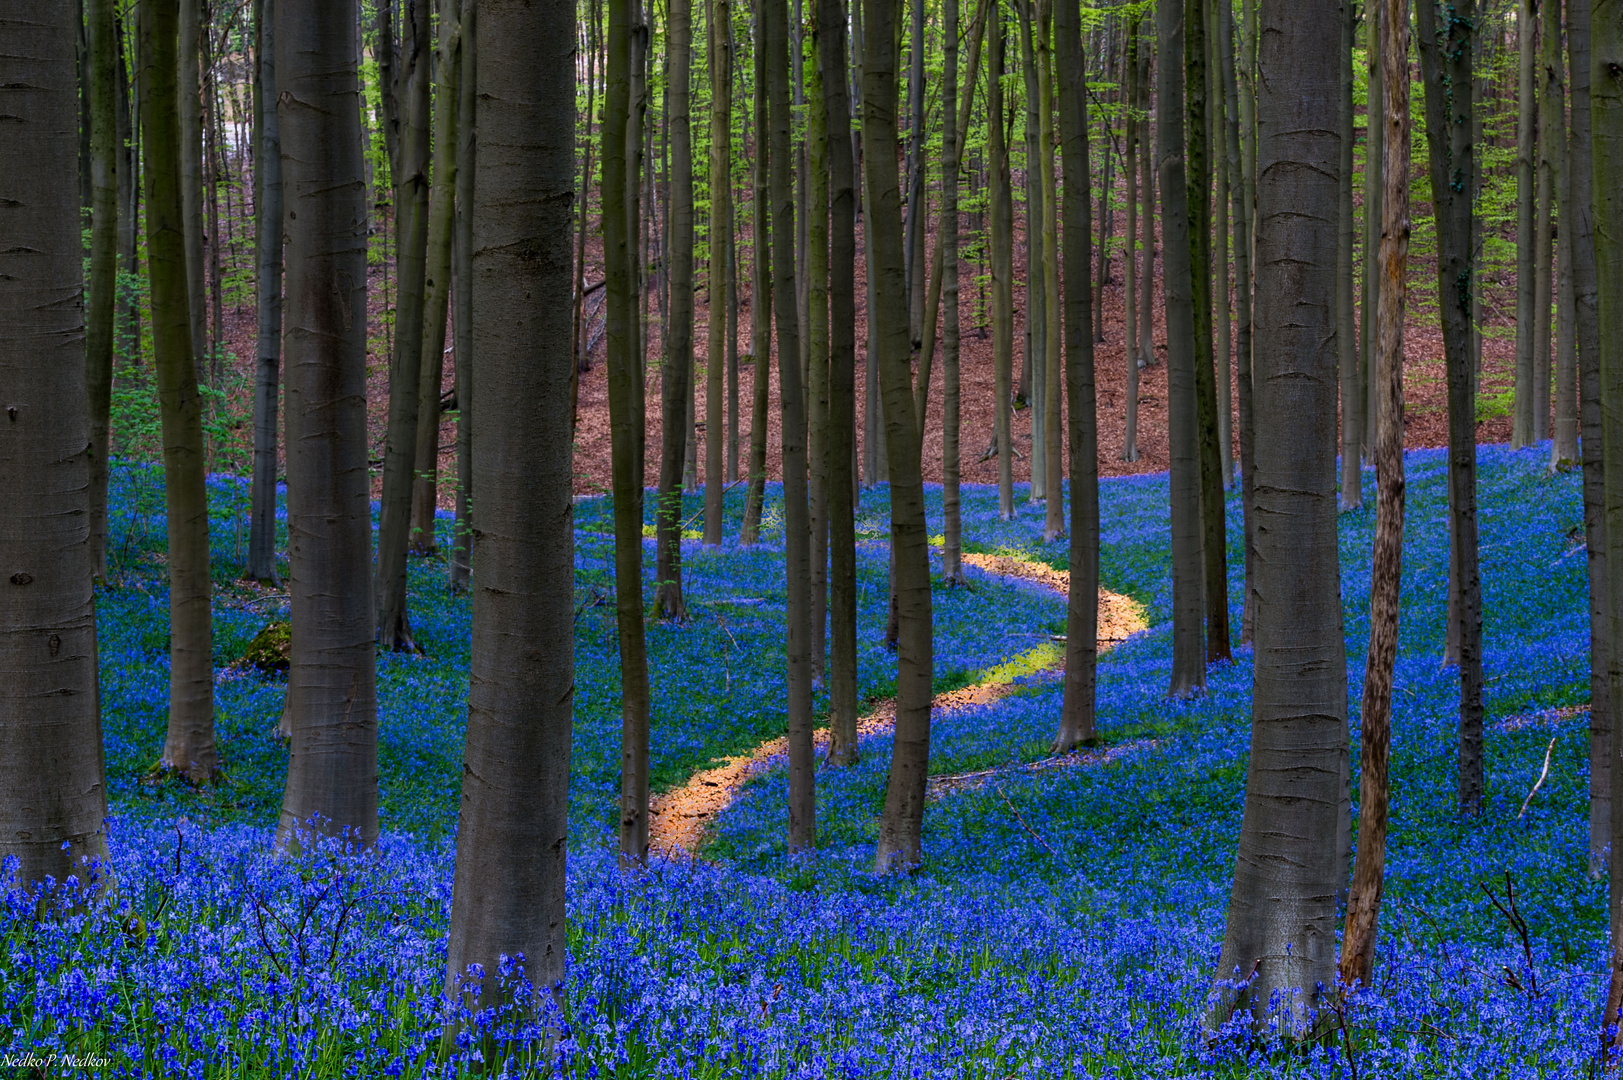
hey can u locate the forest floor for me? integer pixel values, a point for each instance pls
(1426, 414)
(680, 817)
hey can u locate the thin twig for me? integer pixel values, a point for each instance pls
(1548, 750)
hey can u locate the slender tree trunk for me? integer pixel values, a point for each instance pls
(1606, 116)
(760, 313)
(1527, 317)
(1543, 238)
(578, 330)
(1216, 139)
(1241, 217)
(901, 824)
(189, 102)
(461, 564)
(127, 122)
(1053, 434)
(1188, 627)
(1147, 168)
(1082, 603)
(797, 524)
(53, 798)
(676, 373)
(1281, 916)
(1585, 303)
(1002, 259)
(720, 55)
(508, 896)
(411, 184)
(1352, 423)
(1386, 574)
(1214, 539)
(842, 690)
(268, 283)
(947, 244)
(817, 384)
(1135, 356)
(332, 776)
(211, 184)
(1445, 55)
(1553, 169)
(626, 429)
(189, 746)
(1368, 330)
(1034, 374)
(914, 209)
(101, 57)
(436, 281)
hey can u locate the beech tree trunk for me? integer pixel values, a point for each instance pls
(409, 171)
(189, 745)
(796, 519)
(842, 359)
(1445, 58)
(1557, 155)
(760, 319)
(1002, 260)
(1054, 379)
(1281, 916)
(53, 799)
(1386, 574)
(1082, 602)
(460, 570)
(626, 426)
(436, 281)
(1524, 430)
(1188, 592)
(1352, 421)
(1135, 356)
(268, 286)
(332, 775)
(100, 88)
(675, 376)
(189, 103)
(901, 824)
(720, 55)
(508, 896)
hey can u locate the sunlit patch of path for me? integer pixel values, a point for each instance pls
(679, 817)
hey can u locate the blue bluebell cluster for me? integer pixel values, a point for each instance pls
(1066, 922)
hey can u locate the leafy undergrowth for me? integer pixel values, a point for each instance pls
(1066, 923)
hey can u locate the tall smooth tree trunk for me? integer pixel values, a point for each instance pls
(675, 376)
(1445, 58)
(626, 428)
(1034, 373)
(947, 244)
(1543, 238)
(1222, 308)
(1188, 590)
(1054, 381)
(102, 57)
(1082, 602)
(189, 745)
(1147, 169)
(508, 895)
(1386, 573)
(268, 288)
(1585, 304)
(1214, 531)
(459, 571)
(1352, 422)
(720, 63)
(842, 359)
(189, 102)
(1002, 260)
(1374, 153)
(53, 797)
(901, 823)
(1135, 356)
(760, 314)
(332, 775)
(1554, 165)
(817, 389)
(1244, 331)
(1527, 136)
(436, 280)
(1281, 915)
(1606, 119)
(409, 171)
(796, 519)
(914, 209)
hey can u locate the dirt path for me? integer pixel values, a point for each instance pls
(679, 817)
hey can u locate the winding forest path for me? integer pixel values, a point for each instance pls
(679, 817)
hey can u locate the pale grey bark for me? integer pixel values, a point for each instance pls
(1281, 917)
(102, 57)
(332, 778)
(1527, 321)
(508, 896)
(268, 287)
(53, 802)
